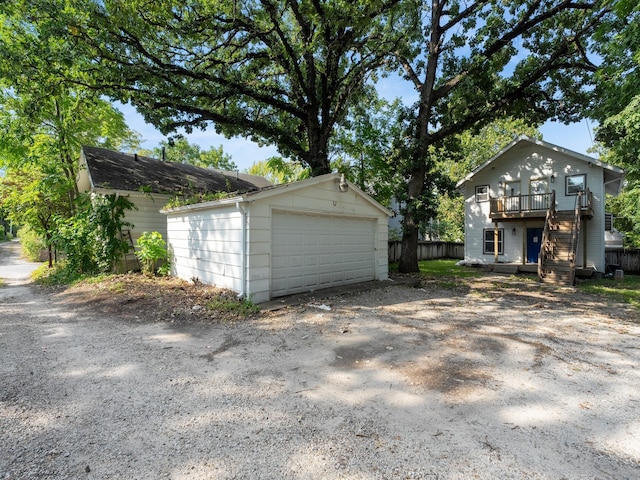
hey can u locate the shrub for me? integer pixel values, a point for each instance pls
(91, 239)
(31, 243)
(152, 251)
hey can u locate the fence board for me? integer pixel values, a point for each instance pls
(625, 258)
(429, 250)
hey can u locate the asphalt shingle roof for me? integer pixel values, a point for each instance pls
(130, 172)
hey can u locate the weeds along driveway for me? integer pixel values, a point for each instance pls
(485, 381)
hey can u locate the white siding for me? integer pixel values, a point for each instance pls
(207, 245)
(206, 242)
(147, 218)
(311, 252)
(524, 163)
(321, 199)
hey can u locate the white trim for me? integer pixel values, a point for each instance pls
(279, 190)
(550, 146)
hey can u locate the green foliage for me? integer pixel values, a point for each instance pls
(31, 243)
(470, 66)
(616, 103)
(181, 151)
(91, 239)
(151, 251)
(181, 201)
(278, 72)
(59, 274)
(279, 171)
(626, 291)
(234, 305)
(442, 268)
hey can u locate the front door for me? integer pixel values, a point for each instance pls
(534, 241)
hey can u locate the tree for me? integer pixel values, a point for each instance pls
(278, 171)
(475, 148)
(616, 107)
(364, 145)
(282, 72)
(472, 62)
(44, 121)
(31, 195)
(179, 150)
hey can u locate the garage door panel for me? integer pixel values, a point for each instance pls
(320, 251)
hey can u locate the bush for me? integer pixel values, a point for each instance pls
(152, 252)
(32, 244)
(91, 239)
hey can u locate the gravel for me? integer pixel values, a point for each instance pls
(493, 381)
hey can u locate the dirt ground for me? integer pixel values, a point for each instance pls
(491, 377)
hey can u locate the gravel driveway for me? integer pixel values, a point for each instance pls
(497, 380)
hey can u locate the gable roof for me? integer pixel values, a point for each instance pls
(112, 170)
(274, 190)
(613, 175)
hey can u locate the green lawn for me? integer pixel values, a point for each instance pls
(627, 291)
(442, 267)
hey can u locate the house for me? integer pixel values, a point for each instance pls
(539, 207)
(298, 237)
(150, 183)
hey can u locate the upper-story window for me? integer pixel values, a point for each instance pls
(575, 184)
(482, 193)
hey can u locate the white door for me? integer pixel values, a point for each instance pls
(310, 252)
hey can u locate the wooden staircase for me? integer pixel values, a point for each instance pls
(557, 261)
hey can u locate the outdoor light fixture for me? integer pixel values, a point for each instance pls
(553, 178)
(344, 186)
(513, 231)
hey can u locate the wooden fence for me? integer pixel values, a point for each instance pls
(624, 258)
(429, 250)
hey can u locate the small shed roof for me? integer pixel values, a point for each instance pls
(131, 172)
(613, 175)
(274, 190)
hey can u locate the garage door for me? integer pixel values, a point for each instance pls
(310, 252)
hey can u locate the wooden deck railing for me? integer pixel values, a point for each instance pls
(534, 203)
(538, 202)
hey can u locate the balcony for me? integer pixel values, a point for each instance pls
(532, 206)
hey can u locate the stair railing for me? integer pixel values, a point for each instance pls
(575, 230)
(545, 247)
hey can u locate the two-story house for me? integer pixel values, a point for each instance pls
(536, 206)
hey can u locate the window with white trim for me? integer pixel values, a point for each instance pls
(489, 241)
(482, 193)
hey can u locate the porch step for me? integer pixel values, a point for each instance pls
(505, 268)
(558, 278)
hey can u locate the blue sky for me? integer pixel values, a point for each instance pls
(576, 137)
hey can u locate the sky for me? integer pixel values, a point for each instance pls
(244, 152)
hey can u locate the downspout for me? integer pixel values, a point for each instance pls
(243, 239)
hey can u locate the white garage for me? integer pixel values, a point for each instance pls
(299, 237)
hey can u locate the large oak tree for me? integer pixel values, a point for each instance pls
(282, 72)
(471, 62)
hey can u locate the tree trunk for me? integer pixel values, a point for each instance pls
(409, 254)
(318, 158)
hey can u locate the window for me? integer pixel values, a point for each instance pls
(575, 184)
(489, 234)
(482, 193)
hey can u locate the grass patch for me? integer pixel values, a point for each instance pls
(56, 275)
(233, 305)
(626, 291)
(60, 275)
(442, 268)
